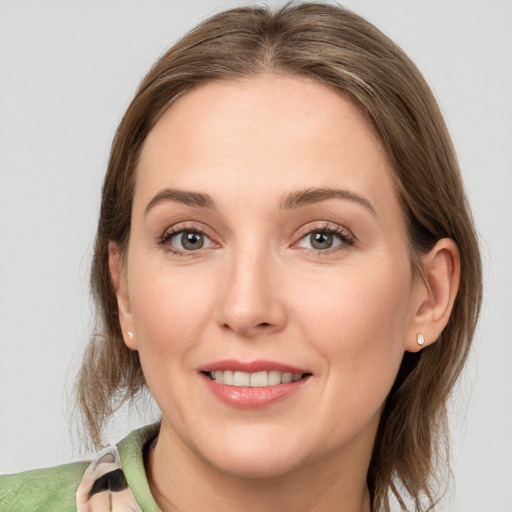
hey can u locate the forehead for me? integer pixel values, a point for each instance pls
(263, 135)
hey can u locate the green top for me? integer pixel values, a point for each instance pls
(55, 489)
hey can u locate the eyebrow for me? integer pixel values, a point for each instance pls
(316, 195)
(292, 200)
(196, 199)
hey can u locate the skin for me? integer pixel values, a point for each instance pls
(259, 290)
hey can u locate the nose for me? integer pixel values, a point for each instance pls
(251, 303)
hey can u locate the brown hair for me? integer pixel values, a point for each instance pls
(333, 46)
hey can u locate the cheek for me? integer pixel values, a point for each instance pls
(356, 300)
(169, 315)
(357, 321)
(170, 310)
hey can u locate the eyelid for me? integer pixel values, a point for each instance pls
(180, 227)
(347, 237)
(195, 226)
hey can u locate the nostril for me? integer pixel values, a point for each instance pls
(263, 324)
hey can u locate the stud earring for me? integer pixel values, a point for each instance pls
(420, 339)
(130, 334)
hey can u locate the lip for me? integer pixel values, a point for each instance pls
(247, 397)
(251, 366)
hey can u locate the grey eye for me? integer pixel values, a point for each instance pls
(190, 241)
(320, 240)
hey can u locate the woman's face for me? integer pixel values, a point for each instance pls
(267, 239)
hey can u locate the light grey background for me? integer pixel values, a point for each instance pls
(67, 72)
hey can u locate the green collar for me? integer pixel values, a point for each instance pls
(131, 450)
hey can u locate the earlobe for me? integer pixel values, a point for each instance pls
(435, 296)
(119, 284)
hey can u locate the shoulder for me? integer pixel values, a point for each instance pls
(114, 478)
(42, 489)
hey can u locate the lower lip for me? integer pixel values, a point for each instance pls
(246, 397)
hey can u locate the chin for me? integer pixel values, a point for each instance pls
(252, 459)
(257, 467)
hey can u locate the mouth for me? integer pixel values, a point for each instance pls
(255, 379)
(253, 385)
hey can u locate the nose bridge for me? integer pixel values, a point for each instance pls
(250, 301)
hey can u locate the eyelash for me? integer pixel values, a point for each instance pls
(176, 230)
(347, 239)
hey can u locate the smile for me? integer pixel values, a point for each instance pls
(254, 380)
(255, 384)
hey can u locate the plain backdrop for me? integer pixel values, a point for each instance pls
(67, 72)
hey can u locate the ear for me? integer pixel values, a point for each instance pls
(435, 294)
(120, 285)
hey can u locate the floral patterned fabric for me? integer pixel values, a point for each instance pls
(113, 481)
(104, 486)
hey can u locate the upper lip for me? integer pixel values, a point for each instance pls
(251, 366)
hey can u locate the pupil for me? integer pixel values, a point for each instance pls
(192, 241)
(321, 240)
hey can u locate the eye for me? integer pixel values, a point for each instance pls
(186, 240)
(320, 240)
(325, 238)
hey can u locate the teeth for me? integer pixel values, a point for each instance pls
(287, 377)
(259, 379)
(241, 379)
(255, 380)
(274, 378)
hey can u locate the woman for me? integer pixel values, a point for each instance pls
(285, 258)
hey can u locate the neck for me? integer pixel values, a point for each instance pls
(182, 481)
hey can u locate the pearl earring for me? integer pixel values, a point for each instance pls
(130, 334)
(420, 339)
